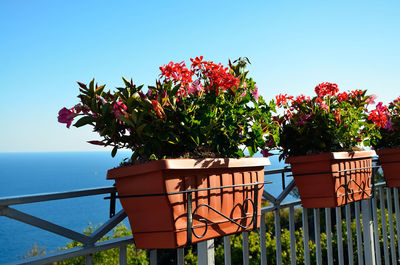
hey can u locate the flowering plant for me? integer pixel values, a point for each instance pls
(390, 129)
(207, 110)
(328, 122)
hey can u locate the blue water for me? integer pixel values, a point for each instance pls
(30, 173)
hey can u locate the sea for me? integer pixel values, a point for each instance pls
(47, 172)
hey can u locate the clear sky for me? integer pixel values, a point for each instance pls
(46, 46)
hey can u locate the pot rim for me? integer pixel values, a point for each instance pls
(330, 156)
(187, 164)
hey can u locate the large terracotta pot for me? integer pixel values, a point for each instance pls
(319, 183)
(161, 221)
(390, 161)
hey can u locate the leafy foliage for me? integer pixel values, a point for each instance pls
(207, 110)
(328, 122)
(391, 131)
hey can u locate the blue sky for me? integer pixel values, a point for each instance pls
(46, 46)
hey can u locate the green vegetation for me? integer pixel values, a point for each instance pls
(138, 256)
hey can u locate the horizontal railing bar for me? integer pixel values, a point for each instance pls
(40, 197)
(277, 171)
(45, 225)
(75, 252)
(280, 206)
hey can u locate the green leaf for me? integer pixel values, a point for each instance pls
(127, 121)
(140, 129)
(251, 150)
(127, 83)
(91, 85)
(105, 108)
(85, 120)
(114, 151)
(175, 89)
(100, 89)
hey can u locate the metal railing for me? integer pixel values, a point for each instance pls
(376, 220)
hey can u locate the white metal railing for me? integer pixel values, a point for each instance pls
(374, 242)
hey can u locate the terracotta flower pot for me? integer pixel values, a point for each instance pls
(319, 183)
(161, 221)
(390, 161)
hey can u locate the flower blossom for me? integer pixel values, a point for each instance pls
(282, 99)
(371, 99)
(195, 87)
(379, 115)
(119, 109)
(342, 97)
(66, 116)
(266, 153)
(389, 125)
(303, 119)
(255, 93)
(326, 89)
(158, 109)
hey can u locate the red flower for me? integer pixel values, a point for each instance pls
(282, 99)
(326, 89)
(158, 109)
(342, 96)
(379, 115)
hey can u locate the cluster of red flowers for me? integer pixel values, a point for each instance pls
(177, 72)
(215, 76)
(342, 96)
(326, 89)
(379, 115)
(282, 99)
(355, 93)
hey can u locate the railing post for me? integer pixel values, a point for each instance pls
(227, 250)
(369, 249)
(306, 237)
(245, 247)
(122, 256)
(180, 256)
(205, 250)
(278, 235)
(262, 241)
(89, 259)
(153, 257)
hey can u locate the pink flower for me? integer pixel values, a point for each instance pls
(303, 119)
(371, 99)
(324, 106)
(265, 153)
(389, 125)
(195, 87)
(255, 92)
(142, 95)
(119, 109)
(66, 116)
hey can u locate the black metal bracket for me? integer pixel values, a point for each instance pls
(113, 196)
(191, 212)
(349, 193)
(246, 202)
